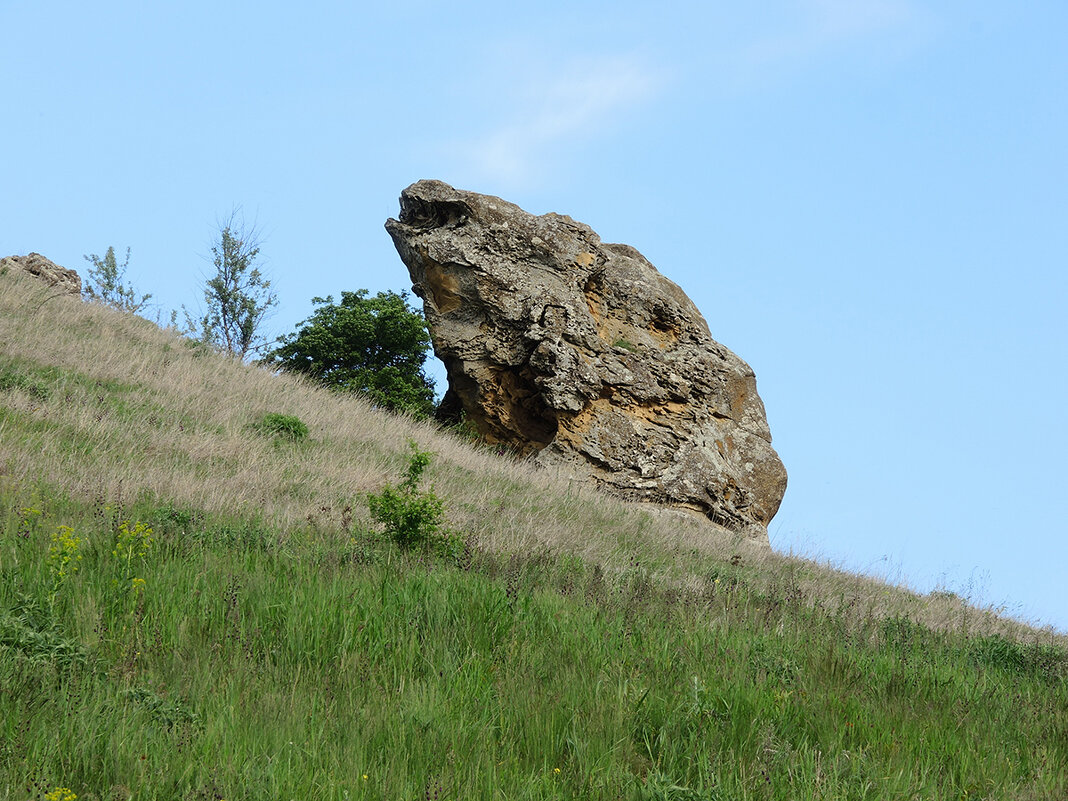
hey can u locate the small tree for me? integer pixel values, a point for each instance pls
(238, 297)
(376, 346)
(411, 517)
(106, 283)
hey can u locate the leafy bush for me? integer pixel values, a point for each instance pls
(176, 517)
(658, 787)
(12, 379)
(376, 346)
(30, 631)
(106, 283)
(283, 426)
(411, 517)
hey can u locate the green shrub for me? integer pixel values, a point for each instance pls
(28, 628)
(12, 379)
(175, 517)
(105, 283)
(658, 787)
(1029, 659)
(376, 346)
(411, 517)
(283, 426)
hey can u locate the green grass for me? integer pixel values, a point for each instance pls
(265, 664)
(272, 642)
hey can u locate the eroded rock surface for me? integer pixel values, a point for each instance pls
(37, 265)
(583, 356)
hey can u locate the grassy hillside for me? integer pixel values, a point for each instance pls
(193, 608)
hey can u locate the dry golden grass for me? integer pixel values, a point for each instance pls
(140, 411)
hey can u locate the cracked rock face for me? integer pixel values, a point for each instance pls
(582, 356)
(37, 265)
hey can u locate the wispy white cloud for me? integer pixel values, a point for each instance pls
(550, 110)
(531, 109)
(821, 26)
(847, 18)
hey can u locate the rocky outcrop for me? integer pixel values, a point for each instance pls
(37, 265)
(581, 355)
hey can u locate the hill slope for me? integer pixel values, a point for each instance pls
(267, 640)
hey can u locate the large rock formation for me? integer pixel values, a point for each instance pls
(35, 264)
(581, 355)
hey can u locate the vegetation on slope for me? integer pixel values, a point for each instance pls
(194, 605)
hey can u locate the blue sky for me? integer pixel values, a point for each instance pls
(867, 199)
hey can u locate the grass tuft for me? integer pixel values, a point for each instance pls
(283, 426)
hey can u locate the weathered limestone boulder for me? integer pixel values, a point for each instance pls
(35, 264)
(581, 355)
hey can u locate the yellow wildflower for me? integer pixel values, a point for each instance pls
(63, 555)
(133, 539)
